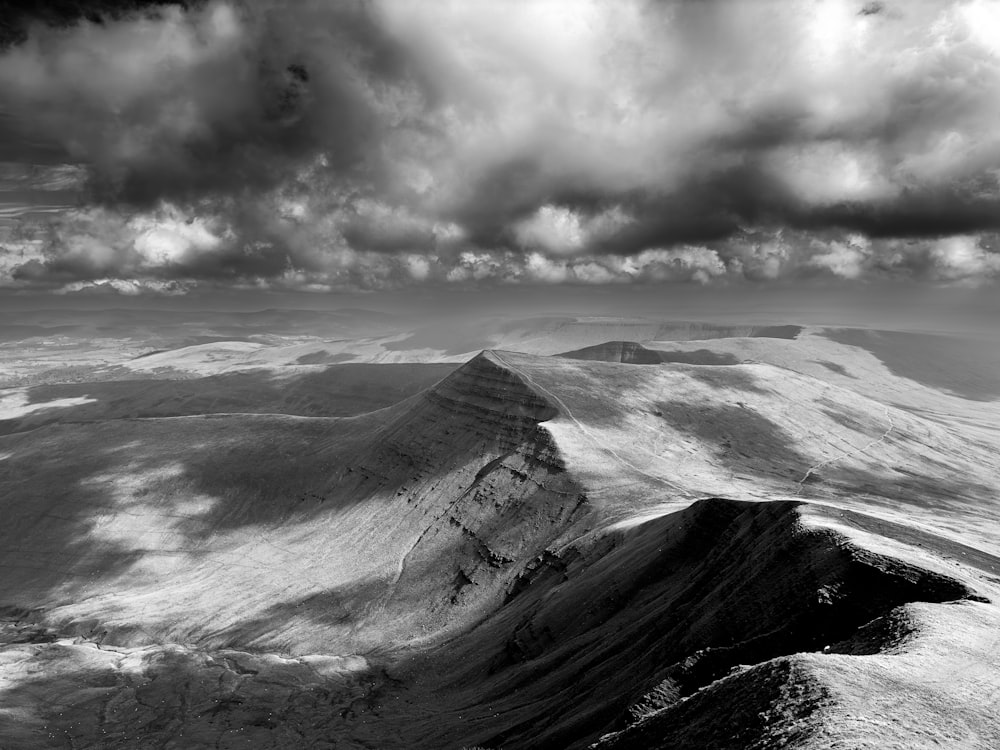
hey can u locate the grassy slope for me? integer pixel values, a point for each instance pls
(543, 499)
(328, 391)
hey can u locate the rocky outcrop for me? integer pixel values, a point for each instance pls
(629, 630)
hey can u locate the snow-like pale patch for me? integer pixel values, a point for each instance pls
(328, 666)
(940, 691)
(232, 356)
(813, 517)
(649, 515)
(141, 513)
(203, 359)
(14, 403)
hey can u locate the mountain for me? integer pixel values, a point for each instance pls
(634, 353)
(799, 550)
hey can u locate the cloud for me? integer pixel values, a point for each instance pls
(128, 287)
(844, 258)
(562, 231)
(963, 258)
(385, 143)
(686, 264)
(221, 97)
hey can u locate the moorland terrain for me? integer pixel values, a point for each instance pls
(290, 529)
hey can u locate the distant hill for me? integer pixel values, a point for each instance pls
(633, 353)
(965, 366)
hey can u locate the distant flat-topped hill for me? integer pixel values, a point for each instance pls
(633, 353)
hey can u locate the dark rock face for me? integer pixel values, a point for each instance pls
(741, 713)
(489, 517)
(617, 637)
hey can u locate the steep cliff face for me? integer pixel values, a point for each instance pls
(626, 630)
(480, 489)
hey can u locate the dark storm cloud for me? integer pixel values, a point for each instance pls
(218, 99)
(341, 144)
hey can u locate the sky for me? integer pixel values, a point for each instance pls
(339, 147)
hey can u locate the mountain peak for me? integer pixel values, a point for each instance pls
(492, 383)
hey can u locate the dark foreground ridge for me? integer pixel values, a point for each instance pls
(651, 634)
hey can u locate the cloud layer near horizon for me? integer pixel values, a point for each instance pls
(321, 145)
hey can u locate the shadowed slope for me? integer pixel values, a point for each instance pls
(636, 623)
(966, 367)
(335, 391)
(287, 531)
